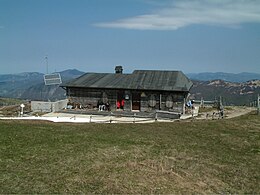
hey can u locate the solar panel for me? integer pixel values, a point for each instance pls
(52, 79)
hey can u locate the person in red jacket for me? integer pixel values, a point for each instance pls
(122, 104)
(118, 104)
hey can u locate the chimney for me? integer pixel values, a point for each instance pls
(119, 70)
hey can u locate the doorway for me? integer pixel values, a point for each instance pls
(136, 101)
(120, 103)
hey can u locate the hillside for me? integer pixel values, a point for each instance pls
(14, 85)
(232, 93)
(31, 85)
(231, 77)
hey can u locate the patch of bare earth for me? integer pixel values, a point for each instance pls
(229, 112)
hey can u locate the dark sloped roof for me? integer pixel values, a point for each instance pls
(139, 79)
(161, 80)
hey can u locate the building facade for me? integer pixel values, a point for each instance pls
(143, 90)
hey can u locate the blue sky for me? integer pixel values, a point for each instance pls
(95, 35)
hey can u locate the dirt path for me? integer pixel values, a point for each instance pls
(229, 112)
(238, 111)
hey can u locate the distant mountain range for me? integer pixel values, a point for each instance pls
(209, 76)
(232, 93)
(30, 85)
(237, 89)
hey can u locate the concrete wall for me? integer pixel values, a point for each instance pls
(39, 106)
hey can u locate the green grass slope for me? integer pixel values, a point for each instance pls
(220, 156)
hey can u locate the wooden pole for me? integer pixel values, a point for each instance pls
(221, 108)
(47, 64)
(160, 102)
(258, 105)
(183, 109)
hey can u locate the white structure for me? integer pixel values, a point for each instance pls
(52, 79)
(39, 106)
(22, 106)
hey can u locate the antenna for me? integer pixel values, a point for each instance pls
(51, 79)
(47, 64)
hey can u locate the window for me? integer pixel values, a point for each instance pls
(169, 101)
(152, 100)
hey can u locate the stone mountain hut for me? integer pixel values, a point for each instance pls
(143, 90)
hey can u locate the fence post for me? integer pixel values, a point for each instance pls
(202, 102)
(258, 105)
(110, 118)
(221, 108)
(156, 116)
(90, 117)
(184, 104)
(134, 117)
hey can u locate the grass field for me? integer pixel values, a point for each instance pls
(220, 156)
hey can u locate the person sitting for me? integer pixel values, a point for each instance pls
(189, 104)
(107, 106)
(101, 106)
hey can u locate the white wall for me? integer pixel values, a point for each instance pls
(39, 106)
